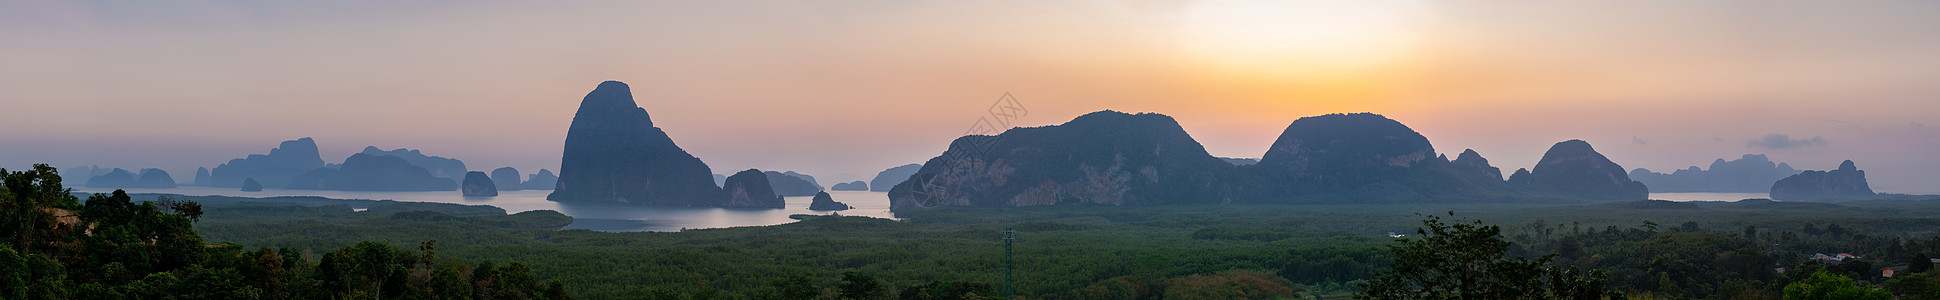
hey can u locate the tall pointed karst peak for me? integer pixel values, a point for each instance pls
(1847, 166)
(613, 153)
(609, 95)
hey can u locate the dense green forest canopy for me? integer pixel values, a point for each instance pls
(1659, 249)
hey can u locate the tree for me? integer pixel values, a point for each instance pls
(1824, 285)
(1920, 264)
(855, 285)
(1467, 261)
(30, 196)
(796, 287)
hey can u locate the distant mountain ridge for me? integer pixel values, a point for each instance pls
(890, 177)
(1114, 158)
(792, 184)
(439, 166)
(372, 172)
(286, 161)
(1752, 173)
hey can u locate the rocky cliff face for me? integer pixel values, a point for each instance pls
(1364, 158)
(1104, 157)
(615, 154)
(791, 185)
(506, 178)
(286, 161)
(370, 172)
(892, 176)
(1573, 169)
(439, 166)
(823, 202)
(1846, 182)
(750, 189)
(1752, 173)
(857, 185)
(544, 180)
(154, 179)
(478, 185)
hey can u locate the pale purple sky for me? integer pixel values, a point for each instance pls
(842, 90)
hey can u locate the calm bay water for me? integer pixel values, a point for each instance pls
(594, 216)
(1684, 197)
(631, 217)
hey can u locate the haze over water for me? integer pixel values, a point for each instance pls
(594, 216)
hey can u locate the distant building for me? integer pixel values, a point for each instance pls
(1822, 257)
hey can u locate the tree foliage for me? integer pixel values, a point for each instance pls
(1827, 286)
(1468, 261)
(112, 247)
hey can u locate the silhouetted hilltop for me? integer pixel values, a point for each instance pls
(154, 179)
(857, 185)
(250, 185)
(892, 176)
(1240, 161)
(1753, 173)
(1847, 182)
(615, 154)
(202, 176)
(371, 172)
(750, 188)
(791, 185)
(118, 178)
(506, 178)
(287, 160)
(478, 185)
(1104, 157)
(438, 166)
(1472, 162)
(823, 202)
(1363, 158)
(84, 173)
(544, 180)
(1573, 169)
(804, 177)
(114, 179)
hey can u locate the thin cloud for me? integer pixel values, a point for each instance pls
(1639, 141)
(1781, 141)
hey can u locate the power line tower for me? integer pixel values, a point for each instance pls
(1010, 264)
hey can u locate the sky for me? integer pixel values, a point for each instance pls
(844, 89)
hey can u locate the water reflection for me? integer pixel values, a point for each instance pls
(594, 216)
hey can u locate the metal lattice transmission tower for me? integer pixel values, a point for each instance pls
(1010, 264)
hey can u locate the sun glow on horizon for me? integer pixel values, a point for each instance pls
(1303, 39)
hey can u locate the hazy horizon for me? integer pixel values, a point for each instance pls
(856, 87)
